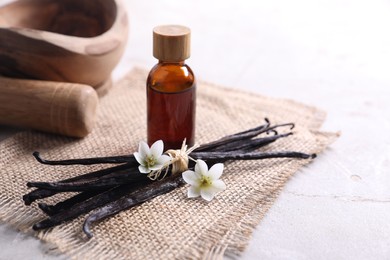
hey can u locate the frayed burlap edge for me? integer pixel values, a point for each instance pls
(235, 240)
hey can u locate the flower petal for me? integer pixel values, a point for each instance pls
(139, 159)
(191, 177)
(218, 185)
(156, 167)
(193, 192)
(143, 149)
(201, 167)
(163, 159)
(143, 169)
(157, 149)
(209, 192)
(215, 171)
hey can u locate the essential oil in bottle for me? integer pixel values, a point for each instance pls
(171, 89)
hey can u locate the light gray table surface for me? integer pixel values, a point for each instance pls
(331, 54)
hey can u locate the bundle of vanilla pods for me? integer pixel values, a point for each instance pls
(109, 191)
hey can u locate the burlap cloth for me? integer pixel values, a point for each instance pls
(170, 226)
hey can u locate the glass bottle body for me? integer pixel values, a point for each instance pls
(171, 104)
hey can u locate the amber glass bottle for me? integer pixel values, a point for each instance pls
(171, 89)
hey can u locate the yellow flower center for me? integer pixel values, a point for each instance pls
(205, 181)
(150, 161)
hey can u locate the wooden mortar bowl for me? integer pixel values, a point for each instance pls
(78, 41)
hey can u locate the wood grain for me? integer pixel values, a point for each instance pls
(171, 43)
(55, 107)
(78, 41)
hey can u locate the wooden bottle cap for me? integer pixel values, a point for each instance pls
(171, 42)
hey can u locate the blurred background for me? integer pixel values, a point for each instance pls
(331, 54)
(271, 45)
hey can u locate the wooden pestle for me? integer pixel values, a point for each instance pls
(55, 107)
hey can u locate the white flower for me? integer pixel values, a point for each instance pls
(151, 159)
(204, 182)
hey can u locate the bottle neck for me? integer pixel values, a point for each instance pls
(178, 63)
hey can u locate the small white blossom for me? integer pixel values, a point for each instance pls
(151, 159)
(204, 182)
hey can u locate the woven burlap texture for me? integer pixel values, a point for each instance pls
(170, 226)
